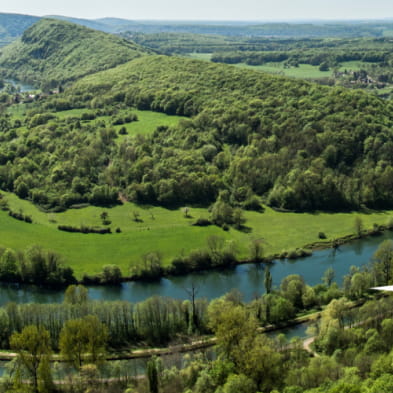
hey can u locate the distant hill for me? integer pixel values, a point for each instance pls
(13, 26)
(55, 51)
(96, 24)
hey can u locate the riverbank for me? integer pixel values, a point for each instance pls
(293, 255)
(169, 234)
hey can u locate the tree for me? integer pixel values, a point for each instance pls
(358, 225)
(83, 340)
(192, 293)
(186, 212)
(267, 280)
(383, 260)
(239, 384)
(111, 274)
(152, 375)
(238, 218)
(230, 325)
(256, 249)
(76, 294)
(328, 276)
(222, 213)
(33, 348)
(292, 288)
(8, 266)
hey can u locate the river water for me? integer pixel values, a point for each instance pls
(22, 87)
(247, 278)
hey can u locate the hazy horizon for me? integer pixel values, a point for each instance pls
(205, 10)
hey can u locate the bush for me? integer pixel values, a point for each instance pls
(321, 235)
(84, 229)
(292, 254)
(202, 222)
(111, 274)
(88, 116)
(20, 216)
(389, 223)
(253, 203)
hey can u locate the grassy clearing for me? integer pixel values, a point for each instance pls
(304, 71)
(200, 56)
(167, 231)
(352, 65)
(147, 122)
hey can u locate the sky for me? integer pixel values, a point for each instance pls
(255, 10)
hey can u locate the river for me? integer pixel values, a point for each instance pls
(22, 87)
(247, 278)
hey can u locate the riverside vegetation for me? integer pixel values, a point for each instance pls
(82, 331)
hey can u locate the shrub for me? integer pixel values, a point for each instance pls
(202, 222)
(111, 274)
(322, 235)
(84, 229)
(123, 131)
(389, 223)
(20, 216)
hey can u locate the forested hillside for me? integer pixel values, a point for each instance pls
(55, 52)
(297, 145)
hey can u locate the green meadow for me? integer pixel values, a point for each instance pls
(304, 71)
(200, 56)
(164, 230)
(147, 121)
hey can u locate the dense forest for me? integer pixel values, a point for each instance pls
(297, 145)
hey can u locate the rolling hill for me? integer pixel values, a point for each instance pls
(54, 52)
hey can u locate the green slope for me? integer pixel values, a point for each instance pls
(58, 51)
(297, 145)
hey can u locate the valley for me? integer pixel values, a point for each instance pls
(168, 183)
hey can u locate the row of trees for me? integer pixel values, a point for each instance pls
(34, 266)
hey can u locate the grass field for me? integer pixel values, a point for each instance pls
(167, 231)
(352, 65)
(201, 56)
(147, 122)
(304, 71)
